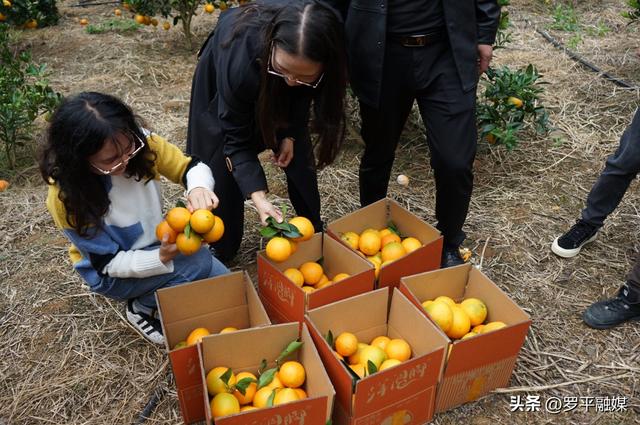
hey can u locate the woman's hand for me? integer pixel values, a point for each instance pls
(201, 198)
(265, 208)
(168, 251)
(285, 153)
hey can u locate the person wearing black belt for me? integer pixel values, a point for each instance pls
(431, 51)
(258, 74)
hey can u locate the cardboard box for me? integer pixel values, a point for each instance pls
(286, 302)
(477, 365)
(215, 303)
(377, 216)
(243, 351)
(404, 394)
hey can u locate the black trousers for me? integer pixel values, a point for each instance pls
(302, 185)
(619, 171)
(428, 75)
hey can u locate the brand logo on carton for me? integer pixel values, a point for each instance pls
(397, 382)
(282, 291)
(296, 417)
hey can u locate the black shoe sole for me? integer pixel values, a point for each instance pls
(601, 326)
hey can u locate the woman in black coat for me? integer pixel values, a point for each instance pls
(262, 70)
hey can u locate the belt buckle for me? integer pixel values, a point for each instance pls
(416, 41)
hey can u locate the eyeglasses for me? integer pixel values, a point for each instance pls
(272, 71)
(134, 150)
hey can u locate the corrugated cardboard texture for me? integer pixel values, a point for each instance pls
(244, 351)
(480, 361)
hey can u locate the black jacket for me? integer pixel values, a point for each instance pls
(222, 115)
(469, 23)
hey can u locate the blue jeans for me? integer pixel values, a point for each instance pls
(620, 170)
(200, 265)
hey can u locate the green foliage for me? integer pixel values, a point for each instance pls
(24, 94)
(502, 36)
(510, 99)
(29, 13)
(574, 41)
(634, 14)
(565, 18)
(114, 25)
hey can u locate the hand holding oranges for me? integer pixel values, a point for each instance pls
(189, 230)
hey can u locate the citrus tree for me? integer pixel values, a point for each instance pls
(24, 94)
(510, 100)
(29, 13)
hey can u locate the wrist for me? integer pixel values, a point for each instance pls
(259, 195)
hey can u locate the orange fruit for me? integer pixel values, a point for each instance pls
(324, 279)
(392, 251)
(166, 26)
(346, 344)
(358, 369)
(178, 218)
(384, 232)
(275, 382)
(202, 221)
(295, 276)
(492, 326)
(321, 285)
(84, 21)
(126, 6)
(2, 19)
(369, 242)
(478, 329)
(147, 20)
(31, 24)
(411, 244)
(460, 324)
(139, 19)
(292, 374)
(475, 309)
(389, 363)
(285, 395)
(223, 6)
(188, 245)
(302, 394)
(372, 354)
(468, 335)
(340, 276)
(355, 357)
(209, 8)
(398, 349)
(351, 239)
(117, 12)
(380, 341)
(312, 272)
(447, 300)
(294, 246)
(278, 249)
(196, 335)
(224, 404)
(440, 312)
(515, 101)
(216, 231)
(490, 138)
(261, 397)
(305, 227)
(249, 391)
(215, 385)
(228, 329)
(164, 228)
(247, 408)
(308, 289)
(154, 22)
(387, 239)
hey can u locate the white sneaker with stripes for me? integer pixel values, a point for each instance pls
(149, 327)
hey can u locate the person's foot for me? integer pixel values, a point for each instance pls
(614, 311)
(451, 257)
(147, 326)
(570, 244)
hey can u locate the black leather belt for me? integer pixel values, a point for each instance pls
(419, 40)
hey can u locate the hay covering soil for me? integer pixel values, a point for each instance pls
(69, 357)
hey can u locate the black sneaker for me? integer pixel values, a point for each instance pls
(612, 312)
(148, 326)
(570, 244)
(451, 257)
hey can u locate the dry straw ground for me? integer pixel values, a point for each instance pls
(68, 357)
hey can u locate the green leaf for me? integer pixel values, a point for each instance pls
(268, 232)
(181, 204)
(226, 376)
(263, 366)
(293, 231)
(243, 384)
(266, 377)
(371, 367)
(187, 231)
(270, 399)
(291, 348)
(329, 338)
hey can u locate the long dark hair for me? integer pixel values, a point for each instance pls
(79, 128)
(313, 30)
